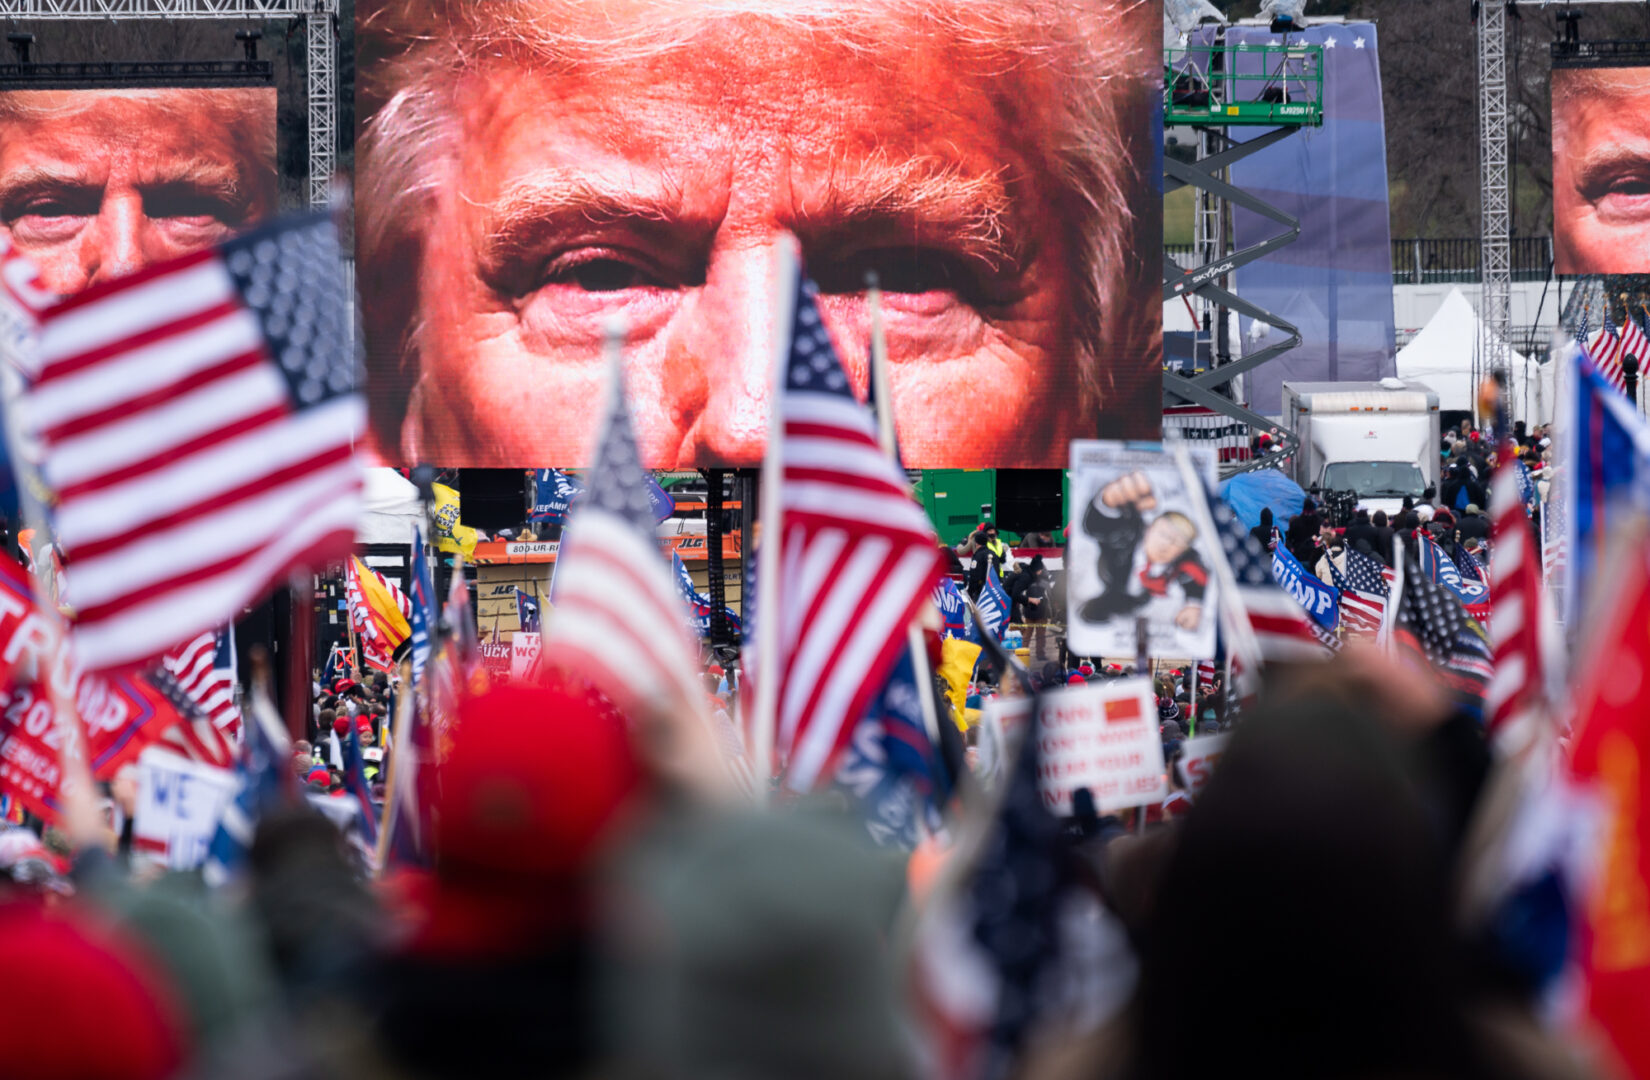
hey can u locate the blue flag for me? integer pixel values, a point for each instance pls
(698, 604)
(1439, 567)
(892, 768)
(953, 611)
(1321, 601)
(355, 782)
(264, 780)
(553, 492)
(422, 623)
(527, 612)
(663, 505)
(993, 600)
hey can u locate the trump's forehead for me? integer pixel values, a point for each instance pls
(755, 105)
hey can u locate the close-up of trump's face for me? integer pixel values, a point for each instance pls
(530, 171)
(95, 184)
(1601, 171)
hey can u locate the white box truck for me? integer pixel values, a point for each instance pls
(1377, 439)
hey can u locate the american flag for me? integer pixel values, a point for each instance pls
(1608, 347)
(197, 421)
(204, 668)
(403, 836)
(1365, 586)
(618, 621)
(857, 556)
(1634, 343)
(1432, 622)
(1283, 630)
(1515, 606)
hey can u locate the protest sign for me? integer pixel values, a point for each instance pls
(1197, 760)
(179, 804)
(496, 658)
(1320, 601)
(1100, 736)
(1134, 552)
(524, 656)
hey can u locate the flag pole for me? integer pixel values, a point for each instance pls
(1231, 601)
(765, 717)
(402, 733)
(882, 392)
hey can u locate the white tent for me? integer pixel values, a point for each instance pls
(392, 509)
(1442, 354)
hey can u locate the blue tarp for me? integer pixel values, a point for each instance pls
(1247, 492)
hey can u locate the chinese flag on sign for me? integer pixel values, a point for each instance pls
(1611, 754)
(1122, 710)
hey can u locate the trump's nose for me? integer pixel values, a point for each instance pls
(728, 339)
(112, 243)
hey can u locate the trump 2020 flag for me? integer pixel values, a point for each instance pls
(993, 601)
(553, 493)
(197, 422)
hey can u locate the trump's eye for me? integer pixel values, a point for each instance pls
(189, 206)
(917, 278)
(597, 272)
(47, 217)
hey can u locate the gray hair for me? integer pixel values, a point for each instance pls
(1086, 71)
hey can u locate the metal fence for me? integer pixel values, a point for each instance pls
(1420, 262)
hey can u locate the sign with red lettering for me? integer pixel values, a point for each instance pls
(495, 657)
(1197, 760)
(1101, 736)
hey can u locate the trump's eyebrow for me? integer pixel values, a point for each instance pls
(1604, 163)
(27, 180)
(917, 200)
(537, 208)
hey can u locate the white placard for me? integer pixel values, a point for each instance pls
(1134, 551)
(524, 653)
(1197, 760)
(1102, 736)
(179, 804)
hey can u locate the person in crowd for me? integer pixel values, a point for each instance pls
(488, 274)
(1263, 532)
(1473, 524)
(1302, 536)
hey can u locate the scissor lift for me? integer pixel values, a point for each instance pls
(1214, 87)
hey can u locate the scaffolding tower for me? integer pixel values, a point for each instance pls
(1214, 87)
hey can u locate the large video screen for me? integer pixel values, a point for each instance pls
(527, 172)
(1601, 170)
(95, 184)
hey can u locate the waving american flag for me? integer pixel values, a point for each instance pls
(857, 557)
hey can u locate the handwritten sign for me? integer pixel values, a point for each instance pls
(179, 804)
(1100, 736)
(1197, 760)
(524, 655)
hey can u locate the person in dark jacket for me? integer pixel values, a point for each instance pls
(1473, 523)
(1263, 532)
(1362, 529)
(1302, 537)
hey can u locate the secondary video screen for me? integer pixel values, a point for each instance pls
(526, 173)
(96, 184)
(1601, 170)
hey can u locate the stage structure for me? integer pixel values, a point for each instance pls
(321, 36)
(1214, 87)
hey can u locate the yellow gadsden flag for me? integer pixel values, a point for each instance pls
(451, 535)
